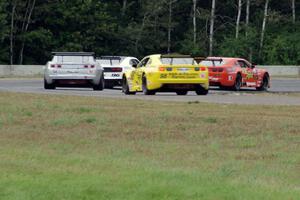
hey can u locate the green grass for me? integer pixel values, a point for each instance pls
(66, 147)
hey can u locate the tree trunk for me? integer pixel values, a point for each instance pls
(170, 26)
(31, 8)
(238, 19)
(124, 7)
(194, 21)
(140, 33)
(211, 31)
(11, 49)
(294, 11)
(247, 16)
(263, 29)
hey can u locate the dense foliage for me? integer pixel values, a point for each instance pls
(31, 29)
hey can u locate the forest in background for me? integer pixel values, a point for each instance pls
(263, 31)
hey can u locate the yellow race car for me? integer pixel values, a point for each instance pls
(166, 73)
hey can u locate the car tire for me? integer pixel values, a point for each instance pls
(100, 85)
(48, 86)
(237, 83)
(182, 92)
(145, 88)
(201, 91)
(125, 87)
(265, 84)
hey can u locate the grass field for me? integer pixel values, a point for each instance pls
(66, 147)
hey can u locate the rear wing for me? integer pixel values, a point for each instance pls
(175, 56)
(171, 59)
(73, 53)
(109, 58)
(199, 59)
(113, 60)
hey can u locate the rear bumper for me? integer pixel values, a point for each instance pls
(155, 82)
(94, 79)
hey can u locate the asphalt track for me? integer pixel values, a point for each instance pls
(283, 91)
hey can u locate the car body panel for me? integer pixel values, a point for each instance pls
(158, 74)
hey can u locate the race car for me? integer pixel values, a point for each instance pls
(235, 73)
(114, 67)
(73, 69)
(166, 73)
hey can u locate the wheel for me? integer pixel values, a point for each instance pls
(265, 84)
(201, 91)
(100, 85)
(48, 86)
(238, 83)
(145, 88)
(182, 92)
(125, 87)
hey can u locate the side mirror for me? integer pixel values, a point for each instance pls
(134, 65)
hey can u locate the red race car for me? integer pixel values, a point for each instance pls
(235, 73)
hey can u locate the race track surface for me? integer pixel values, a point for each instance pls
(283, 91)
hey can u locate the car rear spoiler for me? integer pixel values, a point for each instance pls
(109, 58)
(215, 59)
(73, 53)
(199, 59)
(175, 56)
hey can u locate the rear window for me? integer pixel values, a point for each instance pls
(213, 63)
(178, 61)
(73, 59)
(110, 61)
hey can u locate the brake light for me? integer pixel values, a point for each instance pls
(203, 68)
(92, 66)
(220, 70)
(161, 69)
(197, 69)
(86, 66)
(116, 69)
(55, 66)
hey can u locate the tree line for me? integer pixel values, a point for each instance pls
(263, 31)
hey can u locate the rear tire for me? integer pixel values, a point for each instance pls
(100, 85)
(182, 92)
(201, 91)
(145, 88)
(48, 86)
(125, 87)
(238, 83)
(265, 84)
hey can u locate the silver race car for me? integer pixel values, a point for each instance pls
(73, 69)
